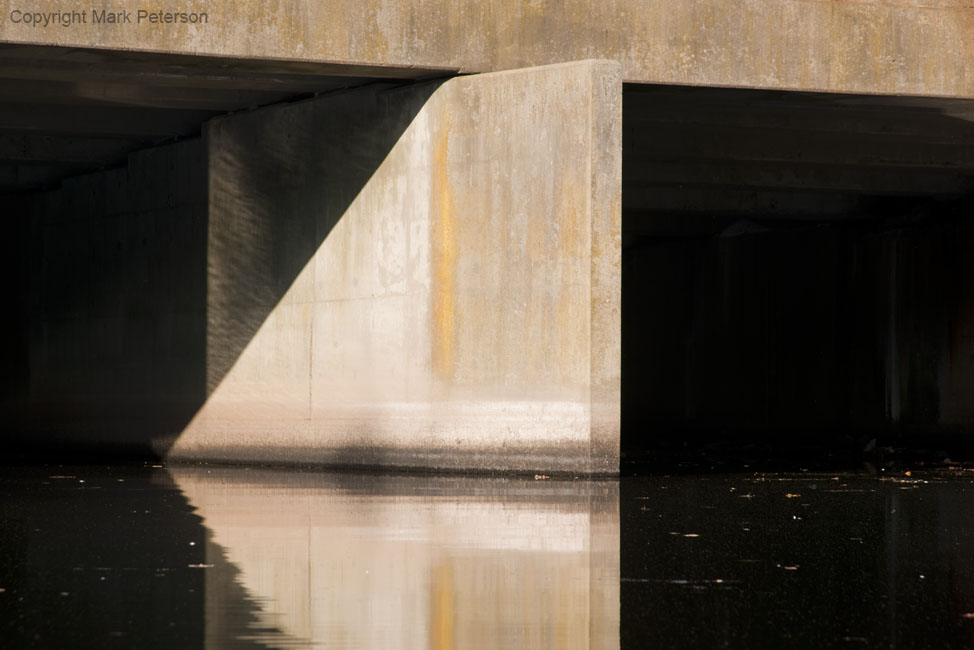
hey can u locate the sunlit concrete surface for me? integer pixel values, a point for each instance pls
(462, 309)
(887, 46)
(421, 562)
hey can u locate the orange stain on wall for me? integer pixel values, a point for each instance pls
(444, 258)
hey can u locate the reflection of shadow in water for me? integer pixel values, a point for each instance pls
(232, 617)
(95, 557)
(415, 562)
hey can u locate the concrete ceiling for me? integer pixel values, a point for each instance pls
(66, 111)
(698, 159)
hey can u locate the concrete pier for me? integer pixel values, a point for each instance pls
(421, 277)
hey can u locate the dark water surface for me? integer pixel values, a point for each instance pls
(135, 556)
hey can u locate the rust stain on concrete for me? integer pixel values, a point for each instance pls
(570, 217)
(444, 258)
(442, 615)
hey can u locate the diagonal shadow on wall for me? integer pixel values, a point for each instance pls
(280, 181)
(138, 288)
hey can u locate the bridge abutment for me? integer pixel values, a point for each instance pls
(427, 276)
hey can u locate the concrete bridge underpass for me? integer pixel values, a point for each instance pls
(475, 264)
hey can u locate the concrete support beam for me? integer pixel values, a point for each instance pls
(705, 153)
(919, 47)
(424, 277)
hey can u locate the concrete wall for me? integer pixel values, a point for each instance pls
(113, 289)
(427, 276)
(898, 47)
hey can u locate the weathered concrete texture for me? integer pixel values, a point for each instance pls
(460, 302)
(113, 293)
(919, 47)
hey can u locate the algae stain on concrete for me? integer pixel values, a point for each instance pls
(444, 246)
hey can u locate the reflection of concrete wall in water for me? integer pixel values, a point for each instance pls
(420, 563)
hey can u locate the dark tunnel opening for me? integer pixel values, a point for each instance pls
(796, 275)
